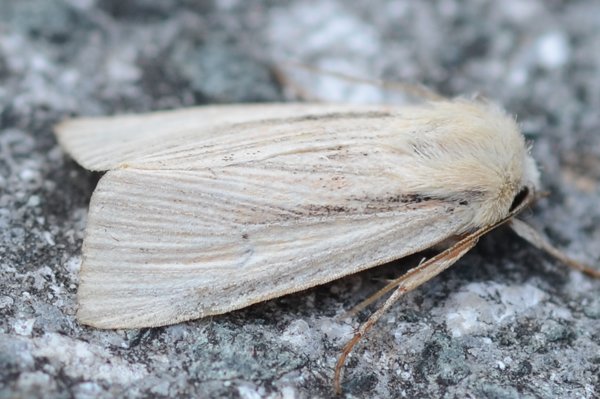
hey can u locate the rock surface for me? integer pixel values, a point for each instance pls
(505, 322)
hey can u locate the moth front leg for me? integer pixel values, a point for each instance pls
(406, 283)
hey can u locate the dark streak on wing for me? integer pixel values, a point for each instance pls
(391, 203)
(370, 205)
(324, 117)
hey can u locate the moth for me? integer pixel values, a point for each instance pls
(206, 210)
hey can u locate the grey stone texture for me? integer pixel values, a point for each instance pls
(505, 322)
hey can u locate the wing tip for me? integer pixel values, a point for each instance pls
(61, 131)
(112, 320)
(110, 313)
(74, 136)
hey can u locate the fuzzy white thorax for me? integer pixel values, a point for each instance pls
(470, 150)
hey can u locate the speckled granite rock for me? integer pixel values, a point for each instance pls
(506, 322)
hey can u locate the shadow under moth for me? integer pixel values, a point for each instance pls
(206, 210)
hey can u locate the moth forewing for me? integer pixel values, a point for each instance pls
(156, 140)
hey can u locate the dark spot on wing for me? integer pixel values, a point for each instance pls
(326, 210)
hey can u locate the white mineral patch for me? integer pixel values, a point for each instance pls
(89, 362)
(247, 391)
(553, 50)
(340, 331)
(479, 307)
(24, 327)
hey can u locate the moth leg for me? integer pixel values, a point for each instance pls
(375, 297)
(415, 90)
(530, 235)
(406, 283)
(293, 88)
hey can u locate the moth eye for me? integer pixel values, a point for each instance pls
(519, 198)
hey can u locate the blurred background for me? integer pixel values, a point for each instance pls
(506, 322)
